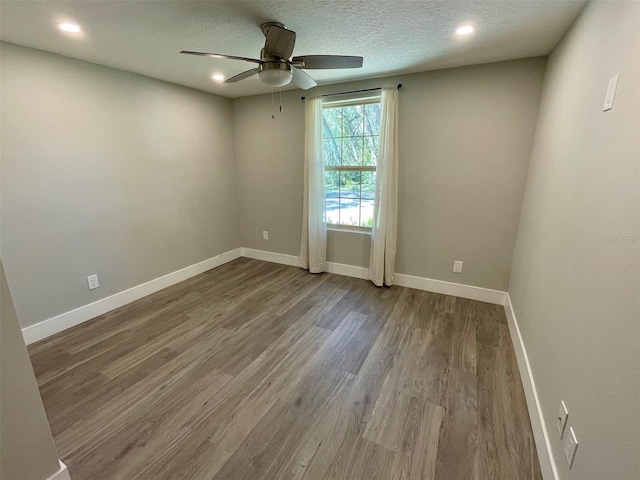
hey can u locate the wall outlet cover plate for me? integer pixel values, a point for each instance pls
(92, 280)
(570, 447)
(561, 419)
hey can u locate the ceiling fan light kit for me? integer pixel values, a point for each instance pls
(275, 74)
(276, 68)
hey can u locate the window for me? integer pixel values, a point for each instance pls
(350, 131)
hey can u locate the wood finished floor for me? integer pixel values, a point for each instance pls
(261, 371)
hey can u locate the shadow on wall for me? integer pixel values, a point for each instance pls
(24, 428)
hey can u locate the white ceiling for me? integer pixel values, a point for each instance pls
(392, 36)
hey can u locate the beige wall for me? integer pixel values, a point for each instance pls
(465, 143)
(575, 284)
(27, 451)
(107, 172)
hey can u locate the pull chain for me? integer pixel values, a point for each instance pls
(280, 100)
(273, 115)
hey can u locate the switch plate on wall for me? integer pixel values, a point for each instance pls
(457, 266)
(611, 93)
(561, 420)
(265, 235)
(92, 280)
(570, 447)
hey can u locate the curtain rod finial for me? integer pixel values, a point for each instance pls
(399, 86)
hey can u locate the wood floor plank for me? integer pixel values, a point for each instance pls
(256, 370)
(123, 448)
(504, 447)
(99, 390)
(103, 415)
(237, 409)
(335, 452)
(365, 460)
(459, 428)
(324, 429)
(285, 429)
(416, 454)
(387, 423)
(464, 336)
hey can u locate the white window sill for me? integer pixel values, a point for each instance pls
(362, 231)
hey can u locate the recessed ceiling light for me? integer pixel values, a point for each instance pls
(465, 30)
(218, 77)
(69, 27)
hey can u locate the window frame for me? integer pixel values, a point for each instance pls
(350, 101)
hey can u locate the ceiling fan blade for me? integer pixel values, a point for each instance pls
(302, 79)
(218, 55)
(280, 42)
(326, 61)
(242, 76)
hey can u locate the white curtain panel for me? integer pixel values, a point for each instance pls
(383, 235)
(313, 243)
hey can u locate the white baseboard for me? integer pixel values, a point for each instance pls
(347, 270)
(61, 474)
(438, 286)
(541, 436)
(447, 288)
(46, 328)
(282, 258)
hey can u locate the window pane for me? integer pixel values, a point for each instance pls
(331, 122)
(352, 151)
(332, 205)
(349, 211)
(368, 195)
(331, 182)
(331, 151)
(366, 213)
(370, 153)
(350, 184)
(368, 185)
(332, 194)
(372, 119)
(352, 121)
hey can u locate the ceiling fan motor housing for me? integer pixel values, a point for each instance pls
(267, 25)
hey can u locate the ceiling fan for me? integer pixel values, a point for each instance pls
(276, 68)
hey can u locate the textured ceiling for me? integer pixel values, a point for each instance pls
(392, 36)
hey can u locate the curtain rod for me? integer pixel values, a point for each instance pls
(353, 91)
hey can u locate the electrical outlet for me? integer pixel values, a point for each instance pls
(92, 280)
(570, 447)
(561, 421)
(265, 235)
(457, 266)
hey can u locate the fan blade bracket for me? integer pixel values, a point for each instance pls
(328, 61)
